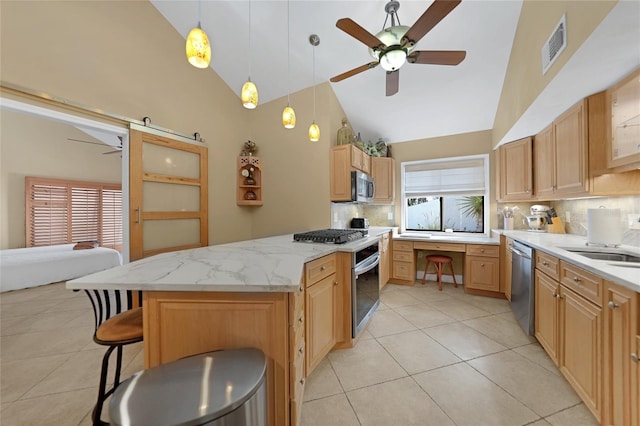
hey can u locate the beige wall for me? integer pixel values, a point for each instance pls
(125, 58)
(31, 146)
(524, 80)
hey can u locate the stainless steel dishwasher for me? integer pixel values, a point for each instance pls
(522, 288)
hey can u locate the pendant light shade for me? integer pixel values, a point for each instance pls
(249, 95)
(314, 132)
(198, 48)
(288, 117)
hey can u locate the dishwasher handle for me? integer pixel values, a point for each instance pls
(519, 253)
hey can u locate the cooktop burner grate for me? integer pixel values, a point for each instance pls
(333, 236)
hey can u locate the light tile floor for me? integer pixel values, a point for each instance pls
(427, 358)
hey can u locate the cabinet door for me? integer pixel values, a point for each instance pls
(581, 353)
(385, 264)
(482, 273)
(544, 160)
(356, 158)
(570, 134)
(508, 263)
(623, 102)
(340, 173)
(515, 170)
(383, 172)
(546, 314)
(365, 163)
(320, 309)
(620, 329)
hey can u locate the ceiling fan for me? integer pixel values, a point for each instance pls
(118, 149)
(394, 45)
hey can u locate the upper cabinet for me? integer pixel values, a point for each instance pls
(344, 159)
(383, 172)
(560, 155)
(515, 181)
(623, 102)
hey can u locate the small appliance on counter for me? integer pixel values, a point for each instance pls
(604, 227)
(359, 223)
(538, 218)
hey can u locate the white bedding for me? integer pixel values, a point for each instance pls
(35, 266)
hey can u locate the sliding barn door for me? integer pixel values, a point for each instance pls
(167, 193)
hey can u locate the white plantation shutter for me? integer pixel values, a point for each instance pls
(445, 178)
(63, 212)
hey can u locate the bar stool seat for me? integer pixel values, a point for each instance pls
(438, 261)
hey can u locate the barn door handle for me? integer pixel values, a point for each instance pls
(138, 215)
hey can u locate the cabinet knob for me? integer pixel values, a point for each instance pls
(301, 289)
(576, 279)
(545, 263)
(302, 381)
(301, 350)
(300, 320)
(481, 250)
(335, 283)
(482, 265)
(634, 357)
(554, 294)
(612, 305)
(322, 268)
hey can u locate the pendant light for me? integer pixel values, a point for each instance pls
(314, 129)
(288, 114)
(249, 93)
(198, 47)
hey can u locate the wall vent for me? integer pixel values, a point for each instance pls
(555, 44)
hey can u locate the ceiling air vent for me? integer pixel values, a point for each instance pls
(555, 44)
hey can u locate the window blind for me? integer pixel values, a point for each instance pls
(63, 212)
(442, 178)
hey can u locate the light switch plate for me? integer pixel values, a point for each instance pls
(567, 217)
(634, 221)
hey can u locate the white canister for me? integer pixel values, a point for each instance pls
(604, 226)
(508, 223)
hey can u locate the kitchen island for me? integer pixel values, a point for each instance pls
(243, 294)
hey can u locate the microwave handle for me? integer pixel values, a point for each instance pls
(371, 189)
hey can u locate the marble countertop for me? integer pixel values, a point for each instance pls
(556, 245)
(273, 264)
(444, 238)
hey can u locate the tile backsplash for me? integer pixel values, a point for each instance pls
(577, 210)
(342, 213)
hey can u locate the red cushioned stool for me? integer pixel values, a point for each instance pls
(438, 261)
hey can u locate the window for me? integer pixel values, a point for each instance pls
(449, 194)
(63, 212)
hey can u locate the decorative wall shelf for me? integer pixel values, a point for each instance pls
(249, 181)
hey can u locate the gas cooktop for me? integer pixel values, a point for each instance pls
(332, 236)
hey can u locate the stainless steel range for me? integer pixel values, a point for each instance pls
(333, 236)
(365, 277)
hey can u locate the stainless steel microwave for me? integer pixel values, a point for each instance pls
(362, 187)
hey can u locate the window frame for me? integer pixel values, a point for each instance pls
(69, 186)
(486, 203)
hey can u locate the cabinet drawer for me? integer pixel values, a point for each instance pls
(422, 245)
(296, 306)
(548, 264)
(403, 256)
(582, 282)
(403, 245)
(319, 269)
(483, 250)
(403, 271)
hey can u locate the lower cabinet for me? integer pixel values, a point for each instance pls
(482, 268)
(403, 264)
(620, 356)
(296, 354)
(506, 262)
(385, 259)
(546, 315)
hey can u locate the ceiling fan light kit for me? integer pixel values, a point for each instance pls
(394, 45)
(198, 47)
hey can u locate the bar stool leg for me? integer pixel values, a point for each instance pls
(439, 267)
(424, 276)
(455, 284)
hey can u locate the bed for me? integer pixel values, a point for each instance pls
(35, 266)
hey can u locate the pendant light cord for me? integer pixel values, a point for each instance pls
(249, 40)
(314, 84)
(199, 13)
(288, 55)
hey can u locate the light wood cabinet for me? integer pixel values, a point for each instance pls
(515, 170)
(506, 263)
(383, 172)
(544, 160)
(385, 259)
(343, 160)
(249, 181)
(623, 125)
(403, 263)
(296, 354)
(581, 349)
(620, 335)
(482, 268)
(546, 315)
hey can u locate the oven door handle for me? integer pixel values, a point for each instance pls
(367, 265)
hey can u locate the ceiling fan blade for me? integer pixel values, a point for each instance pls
(430, 18)
(393, 81)
(437, 57)
(118, 151)
(353, 72)
(350, 27)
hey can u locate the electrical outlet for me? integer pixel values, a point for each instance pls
(390, 216)
(567, 217)
(634, 221)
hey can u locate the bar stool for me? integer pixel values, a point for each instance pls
(438, 261)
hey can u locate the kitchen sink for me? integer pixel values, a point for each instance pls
(611, 255)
